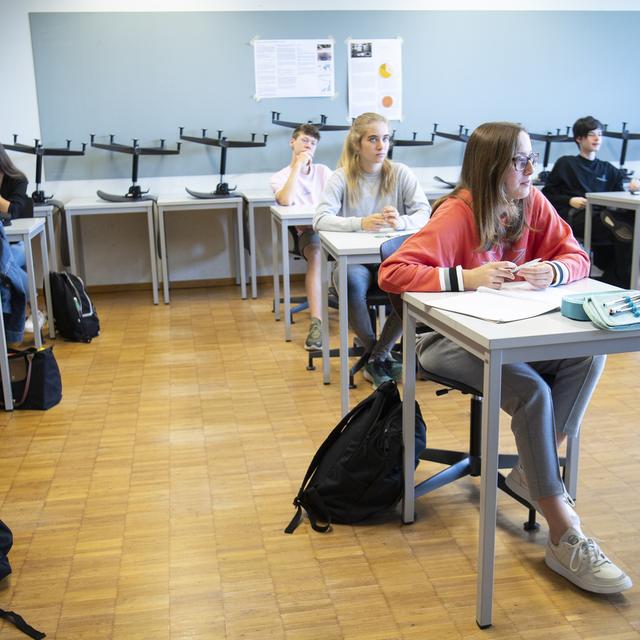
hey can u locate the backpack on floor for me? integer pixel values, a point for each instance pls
(74, 315)
(357, 471)
(6, 542)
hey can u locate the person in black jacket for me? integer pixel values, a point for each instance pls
(571, 178)
(14, 203)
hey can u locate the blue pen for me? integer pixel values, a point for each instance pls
(623, 300)
(630, 305)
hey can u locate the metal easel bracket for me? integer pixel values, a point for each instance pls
(322, 125)
(625, 135)
(38, 196)
(134, 150)
(222, 188)
(411, 142)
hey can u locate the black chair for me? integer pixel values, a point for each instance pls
(458, 463)
(376, 298)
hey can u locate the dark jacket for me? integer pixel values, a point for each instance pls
(573, 176)
(15, 191)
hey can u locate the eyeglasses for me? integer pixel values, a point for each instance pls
(596, 133)
(520, 162)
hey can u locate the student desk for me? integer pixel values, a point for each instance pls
(623, 200)
(346, 248)
(46, 211)
(546, 337)
(188, 203)
(26, 229)
(96, 206)
(281, 219)
(255, 198)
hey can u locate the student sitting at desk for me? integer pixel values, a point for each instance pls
(14, 203)
(572, 177)
(493, 221)
(302, 182)
(368, 192)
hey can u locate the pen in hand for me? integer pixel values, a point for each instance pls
(525, 265)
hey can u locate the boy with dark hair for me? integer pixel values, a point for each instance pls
(572, 177)
(302, 182)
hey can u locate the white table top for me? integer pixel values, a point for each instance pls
(258, 195)
(98, 203)
(293, 212)
(22, 226)
(355, 243)
(622, 197)
(42, 209)
(547, 329)
(178, 199)
(434, 190)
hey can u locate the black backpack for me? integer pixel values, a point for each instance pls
(357, 471)
(6, 542)
(73, 312)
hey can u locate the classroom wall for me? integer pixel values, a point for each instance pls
(20, 114)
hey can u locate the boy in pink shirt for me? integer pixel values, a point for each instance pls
(302, 182)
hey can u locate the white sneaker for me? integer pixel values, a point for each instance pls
(28, 323)
(517, 482)
(580, 560)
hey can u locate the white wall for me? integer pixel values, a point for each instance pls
(191, 235)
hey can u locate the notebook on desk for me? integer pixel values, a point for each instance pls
(514, 301)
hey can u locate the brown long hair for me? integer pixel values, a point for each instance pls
(349, 161)
(487, 158)
(7, 167)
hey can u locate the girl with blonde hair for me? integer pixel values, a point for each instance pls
(368, 192)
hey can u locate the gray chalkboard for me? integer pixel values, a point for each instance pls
(142, 75)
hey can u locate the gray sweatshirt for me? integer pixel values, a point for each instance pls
(334, 213)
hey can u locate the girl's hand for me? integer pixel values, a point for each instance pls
(538, 275)
(491, 275)
(391, 216)
(374, 222)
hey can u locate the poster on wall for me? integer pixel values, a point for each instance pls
(375, 77)
(294, 68)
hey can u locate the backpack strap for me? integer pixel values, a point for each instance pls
(297, 501)
(20, 623)
(387, 388)
(27, 381)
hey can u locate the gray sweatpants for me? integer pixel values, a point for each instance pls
(538, 410)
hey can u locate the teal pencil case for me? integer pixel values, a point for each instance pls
(613, 310)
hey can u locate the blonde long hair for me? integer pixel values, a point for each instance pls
(487, 158)
(350, 162)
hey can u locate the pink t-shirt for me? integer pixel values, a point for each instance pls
(309, 187)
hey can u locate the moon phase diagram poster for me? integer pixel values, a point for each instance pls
(375, 77)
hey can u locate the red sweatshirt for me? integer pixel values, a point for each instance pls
(433, 258)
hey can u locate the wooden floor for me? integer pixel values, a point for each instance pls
(151, 502)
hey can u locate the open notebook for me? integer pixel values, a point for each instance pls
(514, 301)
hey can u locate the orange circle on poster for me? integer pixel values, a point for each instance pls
(387, 102)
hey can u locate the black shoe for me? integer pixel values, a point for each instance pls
(622, 231)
